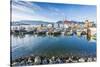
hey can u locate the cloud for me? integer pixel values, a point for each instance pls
(29, 10)
(26, 11)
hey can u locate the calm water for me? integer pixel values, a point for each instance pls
(25, 45)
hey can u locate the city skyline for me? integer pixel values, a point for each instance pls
(52, 12)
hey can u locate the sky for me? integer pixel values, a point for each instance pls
(52, 12)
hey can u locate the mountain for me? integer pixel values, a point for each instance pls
(61, 22)
(30, 22)
(36, 22)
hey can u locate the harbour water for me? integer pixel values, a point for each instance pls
(24, 45)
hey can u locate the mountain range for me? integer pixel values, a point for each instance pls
(31, 22)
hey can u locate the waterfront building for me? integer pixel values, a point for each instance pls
(14, 27)
(88, 24)
(67, 23)
(50, 25)
(93, 31)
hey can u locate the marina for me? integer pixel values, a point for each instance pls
(38, 44)
(52, 33)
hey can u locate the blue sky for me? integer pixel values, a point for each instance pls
(52, 12)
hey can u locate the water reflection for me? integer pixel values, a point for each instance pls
(23, 45)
